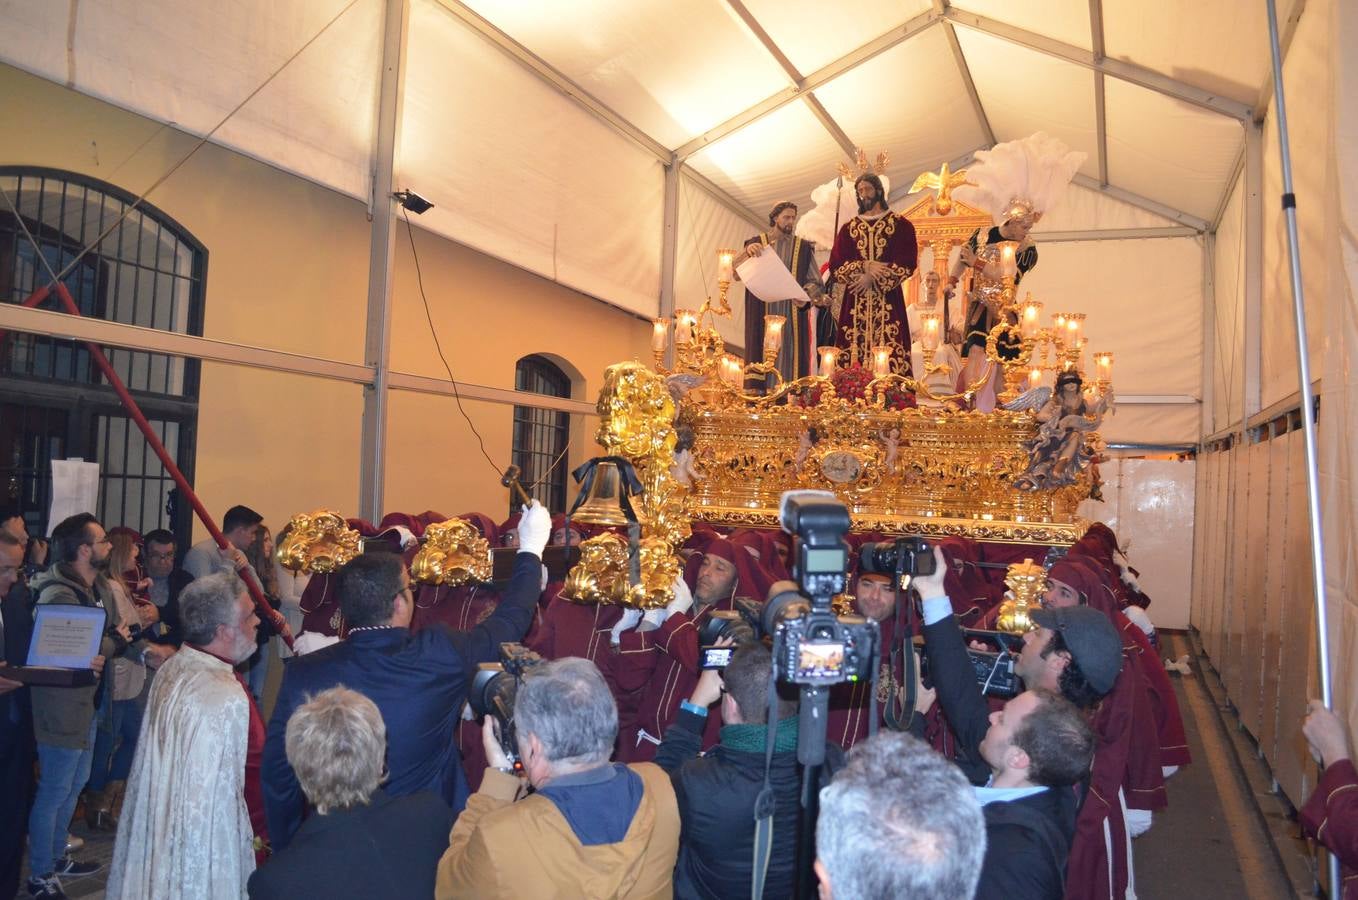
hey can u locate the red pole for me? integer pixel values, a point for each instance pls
(256, 592)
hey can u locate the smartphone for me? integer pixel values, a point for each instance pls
(717, 657)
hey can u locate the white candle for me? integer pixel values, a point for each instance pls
(773, 334)
(881, 361)
(1008, 259)
(684, 321)
(929, 340)
(828, 357)
(1032, 316)
(725, 259)
(659, 334)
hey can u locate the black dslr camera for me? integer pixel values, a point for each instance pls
(811, 645)
(740, 625)
(907, 556)
(494, 687)
(994, 668)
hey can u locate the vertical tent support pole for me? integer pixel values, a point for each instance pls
(1289, 202)
(381, 248)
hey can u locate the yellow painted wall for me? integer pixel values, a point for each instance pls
(287, 269)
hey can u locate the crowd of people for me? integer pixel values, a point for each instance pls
(627, 770)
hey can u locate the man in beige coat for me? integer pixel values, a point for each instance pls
(592, 828)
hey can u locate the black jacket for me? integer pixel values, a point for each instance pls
(1027, 842)
(387, 849)
(169, 613)
(716, 797)
(16, 712)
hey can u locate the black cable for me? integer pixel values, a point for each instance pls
(433, 332)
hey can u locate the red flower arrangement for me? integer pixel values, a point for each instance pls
(851, 383)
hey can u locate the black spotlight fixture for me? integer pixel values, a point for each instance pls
(412, 202)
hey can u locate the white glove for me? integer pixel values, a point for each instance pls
(629, 620)
(542, 582)
(310, 642)
(683, 598)
(682, 603)
(535, 528)
(1127, 577)
(406, 535)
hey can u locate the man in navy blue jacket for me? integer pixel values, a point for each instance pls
(419, 682)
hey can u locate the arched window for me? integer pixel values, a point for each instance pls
(541, 435)
(54, 403)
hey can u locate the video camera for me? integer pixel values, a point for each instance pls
(494, 687)
(994, 668)
(811, 645)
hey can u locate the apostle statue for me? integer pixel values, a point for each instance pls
(809, 325)
(1016, 182)
(939, 376)
(873, 254)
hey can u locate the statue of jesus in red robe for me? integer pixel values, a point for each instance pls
(873, 254)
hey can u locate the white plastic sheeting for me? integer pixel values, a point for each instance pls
(492, 146)
(705, 226)
(1227, 334)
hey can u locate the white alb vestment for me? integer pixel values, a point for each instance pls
(185, 831)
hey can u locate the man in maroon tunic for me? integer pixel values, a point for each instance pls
(661, 657)
(874, 253)
(1331, 815)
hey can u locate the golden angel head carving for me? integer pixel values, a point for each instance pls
(601, 574)
(318, 543)
(636, 413)
(1026, 581)
(660, 567)
(454, 553)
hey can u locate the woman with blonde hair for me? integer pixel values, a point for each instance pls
(260, 556)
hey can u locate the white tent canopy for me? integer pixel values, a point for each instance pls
(542, 128)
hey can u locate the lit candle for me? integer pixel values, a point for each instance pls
(1103, 366)
(1032, 316)
(930, 338)
(1008, 259)
(828, 357)
(725, 259)
(659, 334)
(1074, 322)
(684, 320)
(733, 370)
(1059, 321)
(773, 334)
(881, 361)
(1035, 378)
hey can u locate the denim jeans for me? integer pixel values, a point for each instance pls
(62, 773)
(115, 742)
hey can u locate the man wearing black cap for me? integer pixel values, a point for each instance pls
(809, 325)
(1034, 749)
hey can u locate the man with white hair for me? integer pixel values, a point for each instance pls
(360, 842)
(185, 829)
(591, 829)
(898, 821)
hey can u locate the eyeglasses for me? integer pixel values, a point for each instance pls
(98, 542)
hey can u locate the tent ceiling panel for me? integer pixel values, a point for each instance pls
(191, 64)
(1063, 20)
(1169, 151)
(782, 156)
(812, 35)
(1219, 47)
(1082, 209)
(673, 70)
(911, 102)
(1053, 95)
(556, 192)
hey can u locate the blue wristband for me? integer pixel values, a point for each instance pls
(693, 708)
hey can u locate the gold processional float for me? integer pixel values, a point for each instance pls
(905, 458)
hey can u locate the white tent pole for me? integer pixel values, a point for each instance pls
(381, 246)
(1253, 314)
(669, 238)
(1289, 200)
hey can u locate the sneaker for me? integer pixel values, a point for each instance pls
(47, 888)
(73, 843)
(73, 869)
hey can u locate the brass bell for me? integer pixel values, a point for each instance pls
(603, 503)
